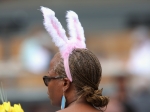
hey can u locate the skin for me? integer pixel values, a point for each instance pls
(57, 87)
(51, 89)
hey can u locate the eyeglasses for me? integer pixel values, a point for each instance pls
(47, 79)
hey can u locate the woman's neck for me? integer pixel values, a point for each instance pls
(70, 103)
(80, 100)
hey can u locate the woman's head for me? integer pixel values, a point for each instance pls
(54, 84)
(86, 75)
(79, 65)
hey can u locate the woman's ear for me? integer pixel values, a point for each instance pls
(66, 84)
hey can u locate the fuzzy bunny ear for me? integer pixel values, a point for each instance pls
(54, 28)
(77, 39)
(76, 31)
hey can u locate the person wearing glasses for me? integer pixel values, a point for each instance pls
(75, 72)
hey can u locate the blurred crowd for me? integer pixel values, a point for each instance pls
(25, 55)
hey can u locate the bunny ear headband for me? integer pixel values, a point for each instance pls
(57, 32)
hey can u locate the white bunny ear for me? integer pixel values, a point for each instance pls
(76, 31)
(54, 27)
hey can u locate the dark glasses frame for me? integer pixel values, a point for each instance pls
(47, 79)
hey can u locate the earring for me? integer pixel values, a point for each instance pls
(63, 102)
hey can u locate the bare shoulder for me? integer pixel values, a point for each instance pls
(80, 108)
(64, 110)
(60, 111)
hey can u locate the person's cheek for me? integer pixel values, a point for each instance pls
(49, 92)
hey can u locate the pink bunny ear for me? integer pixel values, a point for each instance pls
(54, 28)
(77, 39)
(58, 35)
(76, 31)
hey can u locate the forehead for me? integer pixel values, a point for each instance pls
(55, 60)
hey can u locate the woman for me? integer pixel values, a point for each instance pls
(75, 72)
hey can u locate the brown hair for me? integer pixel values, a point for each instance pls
(86, 72)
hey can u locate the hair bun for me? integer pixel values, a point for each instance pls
(95, 97)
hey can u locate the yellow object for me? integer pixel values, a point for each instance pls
(6, 107)
(17, 108)
(2, 108)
